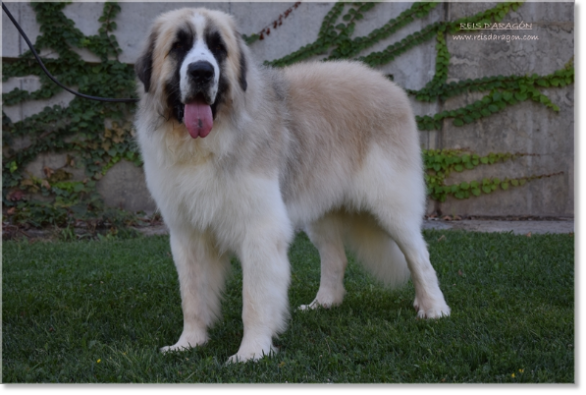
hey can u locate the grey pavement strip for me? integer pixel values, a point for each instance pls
(517, 227)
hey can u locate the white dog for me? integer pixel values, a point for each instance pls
(237, 156)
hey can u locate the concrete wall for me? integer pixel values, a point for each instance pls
(525, 127)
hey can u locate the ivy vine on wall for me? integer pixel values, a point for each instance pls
(96, 135)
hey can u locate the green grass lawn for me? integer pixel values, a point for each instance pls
(98, 311)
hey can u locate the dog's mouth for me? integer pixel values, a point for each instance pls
(198, 117)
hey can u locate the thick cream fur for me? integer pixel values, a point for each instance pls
(328, 147)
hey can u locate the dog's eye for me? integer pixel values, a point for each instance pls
(178, 46)
(218, 49)
(216, 45)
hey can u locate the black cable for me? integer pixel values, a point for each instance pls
(105, 99)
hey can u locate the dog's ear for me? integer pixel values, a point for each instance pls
(144, 65)
(243, 65)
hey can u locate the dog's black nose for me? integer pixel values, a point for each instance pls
(201, 72)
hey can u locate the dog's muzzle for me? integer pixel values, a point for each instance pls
(198, 116)
(201, 76)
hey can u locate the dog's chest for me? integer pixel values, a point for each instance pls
(206, 197)
(186, 191)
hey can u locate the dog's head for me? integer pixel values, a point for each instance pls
(191, 66)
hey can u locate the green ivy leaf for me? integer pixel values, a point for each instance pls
(542, 82)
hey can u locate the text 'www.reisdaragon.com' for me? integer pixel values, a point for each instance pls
(495, 37)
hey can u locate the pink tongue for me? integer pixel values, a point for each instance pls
(198, 119)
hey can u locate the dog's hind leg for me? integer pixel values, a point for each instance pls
(201, 270)
(429, 299)
(398, 207)
(404, 226)
(325, 234)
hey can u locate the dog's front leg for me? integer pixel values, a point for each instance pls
(266, 276)
(201, 270)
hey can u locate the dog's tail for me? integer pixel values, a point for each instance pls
(376, 251)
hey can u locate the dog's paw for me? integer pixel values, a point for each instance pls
(237, 359)
(244, 356)
(316, 304)
(431, 310)
(174, 348)
(185, 343)
(312, 306)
